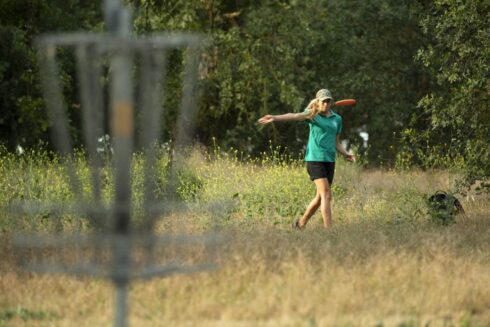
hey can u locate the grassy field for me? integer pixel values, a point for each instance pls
(384, 263)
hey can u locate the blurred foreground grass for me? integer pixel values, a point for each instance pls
(385, 263)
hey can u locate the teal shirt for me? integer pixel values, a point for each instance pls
(323, 137)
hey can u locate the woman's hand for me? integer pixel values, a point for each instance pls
(347, 155)
(350, 157)
(266, 119)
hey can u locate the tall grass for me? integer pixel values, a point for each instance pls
(385, 262)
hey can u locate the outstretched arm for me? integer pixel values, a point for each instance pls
(285, 117)
(288, 117)
(348, 156)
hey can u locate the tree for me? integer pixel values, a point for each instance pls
(456, 114)
(259, 60)
(375, 44)
(272, 56)
(24, 120)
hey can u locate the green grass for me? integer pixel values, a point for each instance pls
(9, 314)
(272, 190)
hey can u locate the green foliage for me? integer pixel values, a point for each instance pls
(276, 198)
(442, 209)
(23, 119)
(26, 314)
(219, 188)
(453, 125)
(419, 71)
(23, 116)
(189, 185)
(41, 178)
(271, 57)
(373, 45)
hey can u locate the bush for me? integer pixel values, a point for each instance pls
(443, 207)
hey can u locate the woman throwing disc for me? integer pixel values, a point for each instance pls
(323, 143)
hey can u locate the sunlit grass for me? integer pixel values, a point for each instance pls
(384, 262)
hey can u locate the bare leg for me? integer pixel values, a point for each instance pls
(323, 189)
(310, 210)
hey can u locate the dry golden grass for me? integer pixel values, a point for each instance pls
(353, 275)
(367, 271)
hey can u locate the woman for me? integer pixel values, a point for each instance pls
(323, 143)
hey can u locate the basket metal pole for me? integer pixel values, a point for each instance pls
(118, 20)
(121, 305)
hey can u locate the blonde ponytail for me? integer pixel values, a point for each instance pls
(313, 109)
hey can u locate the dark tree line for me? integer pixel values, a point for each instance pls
(419, 70)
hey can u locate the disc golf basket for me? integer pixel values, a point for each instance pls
(118, 251)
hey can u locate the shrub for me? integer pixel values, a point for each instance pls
(443, 207)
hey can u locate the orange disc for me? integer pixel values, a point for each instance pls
(346, 102)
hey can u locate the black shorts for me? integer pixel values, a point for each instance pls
(320, 169)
